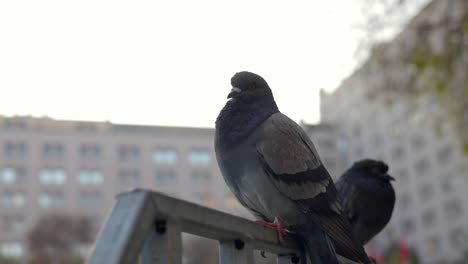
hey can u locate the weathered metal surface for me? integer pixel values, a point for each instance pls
(163, 244)
(147, 225)
(121, 239)
(235, 252)
(210, 223)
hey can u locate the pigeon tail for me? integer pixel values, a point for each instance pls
(318, 247)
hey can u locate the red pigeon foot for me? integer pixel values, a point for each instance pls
(280, 230)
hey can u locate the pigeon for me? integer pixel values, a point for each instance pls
(274, 170)
(368, 197)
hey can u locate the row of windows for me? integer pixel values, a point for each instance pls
(125, 153)
(456, 238)
(51, 199)
(452, 209)
(49, 176)
(13, 223)
(426, 191)
(17, 199)
(58, 176)
(399, 153)
(11, 249)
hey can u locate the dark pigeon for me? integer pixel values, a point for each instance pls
(368, 197)
(273, 169)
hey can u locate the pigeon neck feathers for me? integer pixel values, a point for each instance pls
(238, 119)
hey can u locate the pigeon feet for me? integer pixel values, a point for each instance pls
(280, 230)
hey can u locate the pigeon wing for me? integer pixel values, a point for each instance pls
(348, 194)
(291, 161)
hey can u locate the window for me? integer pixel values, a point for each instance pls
(13, 223)
(417, 142)
(50, 176)
(447, 184)
(201, 177)
(457, 237)
(165, 156)
(398, 153)
(129, 153)
(405, 201)
(165, 177)
(425, 192)
(422, 166)
(407, 226)
(199, 157)
(14, 199)
(378, 140)
(90, 152)
(428, 218)
(129, 176)
(14, 150)
(50, 199)
(90, 198)
(90, 177)
(11, 249)
(402, 175)
(9, 175)
(453, 209)
(52, 150)
(444, 154)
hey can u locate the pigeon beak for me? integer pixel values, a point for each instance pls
(234, 92)
(388, 177)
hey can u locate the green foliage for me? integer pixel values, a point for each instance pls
(443, 74)
(436, 51)
(465, 148)
(422, 58)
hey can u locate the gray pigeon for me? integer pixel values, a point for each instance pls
(273, 169)
(368, 197)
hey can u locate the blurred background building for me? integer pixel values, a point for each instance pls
(401, 106)
(76, 168)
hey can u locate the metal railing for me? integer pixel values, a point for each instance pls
(146, 227)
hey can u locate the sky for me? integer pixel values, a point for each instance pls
(169, 62)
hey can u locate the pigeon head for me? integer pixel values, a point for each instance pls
(375, 168)
(250, 103)
(248, 86)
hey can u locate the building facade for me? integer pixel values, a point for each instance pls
(424, 154)
(393, 109)
(49, 166)
(53, 166)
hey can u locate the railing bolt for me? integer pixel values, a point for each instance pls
(295, 259)
(161, 226)
(239, 244)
